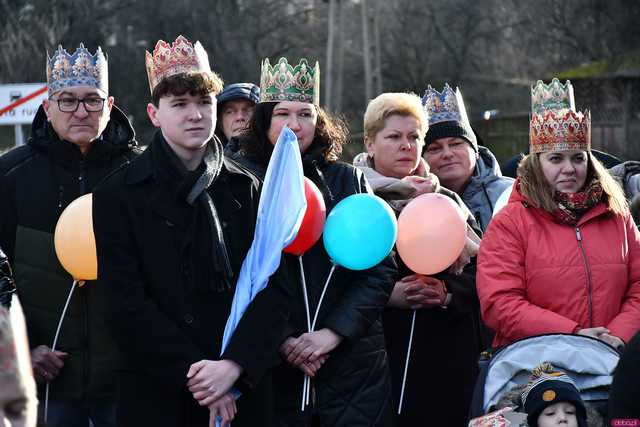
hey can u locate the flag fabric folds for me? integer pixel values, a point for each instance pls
(280, 211)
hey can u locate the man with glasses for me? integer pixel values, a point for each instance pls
(78, 138)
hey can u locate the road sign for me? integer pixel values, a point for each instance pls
(19, 102)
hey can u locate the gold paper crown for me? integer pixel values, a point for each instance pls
(283, 82)
(555, 125)
(180, 57)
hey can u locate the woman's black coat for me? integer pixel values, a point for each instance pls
(444, 356)
(162, 322)
(353, 387)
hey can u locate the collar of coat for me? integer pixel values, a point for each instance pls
(143, 168)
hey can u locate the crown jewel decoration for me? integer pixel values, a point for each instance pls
(445, 106)
(179, 57)
(282, 82)
(555, 124)
(80, 69)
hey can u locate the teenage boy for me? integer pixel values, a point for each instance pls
(172, 231)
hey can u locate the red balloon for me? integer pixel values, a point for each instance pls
(312, 223)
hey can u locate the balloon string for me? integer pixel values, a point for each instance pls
(313, 324)
(53, 346)
(305, 384)
(324, 290)
(304, 293)
(406, 363)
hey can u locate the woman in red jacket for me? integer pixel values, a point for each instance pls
(563, 256)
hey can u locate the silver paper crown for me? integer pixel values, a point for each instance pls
(445, 106)
(80, 69)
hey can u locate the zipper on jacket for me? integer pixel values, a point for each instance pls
(60, 196)
(82, 179)
(586, 265)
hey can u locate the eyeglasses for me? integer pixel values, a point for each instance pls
(70, 105)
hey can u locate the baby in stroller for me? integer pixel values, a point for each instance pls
(581, 368)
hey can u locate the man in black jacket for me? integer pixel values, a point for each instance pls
(172, 231)
(78, 137)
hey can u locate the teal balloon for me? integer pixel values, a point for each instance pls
(360, 231)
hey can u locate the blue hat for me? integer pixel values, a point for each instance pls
(247, 91)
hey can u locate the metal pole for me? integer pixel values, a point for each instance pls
(19, 135)
(328, 102)
(367, 52)
(337, 105)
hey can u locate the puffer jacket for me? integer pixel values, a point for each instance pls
(485, 187)
(37, 182)
(353, 387)
(537, 276)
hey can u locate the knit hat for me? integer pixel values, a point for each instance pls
(447, 116)
(451, 130)
(547, 387)
(247, 91)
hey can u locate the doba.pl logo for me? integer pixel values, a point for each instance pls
(625, 422)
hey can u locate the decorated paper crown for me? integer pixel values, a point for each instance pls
(80, 69)
(555, 124)
(445, 106)
(283, 82)
(554, 96)
(170, 59)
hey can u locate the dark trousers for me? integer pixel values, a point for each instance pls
(78, 413)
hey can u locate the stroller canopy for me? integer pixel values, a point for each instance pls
(588, 361)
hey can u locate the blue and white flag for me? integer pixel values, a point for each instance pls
(280, 211)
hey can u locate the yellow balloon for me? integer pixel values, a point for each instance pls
(74, 240)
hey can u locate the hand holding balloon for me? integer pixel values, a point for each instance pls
(424, 291)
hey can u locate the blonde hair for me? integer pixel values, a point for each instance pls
(392, 103)
(535, 188)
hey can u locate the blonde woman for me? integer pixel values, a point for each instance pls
(447, 331)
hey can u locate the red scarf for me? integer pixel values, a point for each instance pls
(571, 206)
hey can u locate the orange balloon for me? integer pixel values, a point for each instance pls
(74, 240)
(432, 232)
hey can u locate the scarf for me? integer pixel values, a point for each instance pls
(398, 192)
(571, 206)
(395, 191)
(205, 243)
